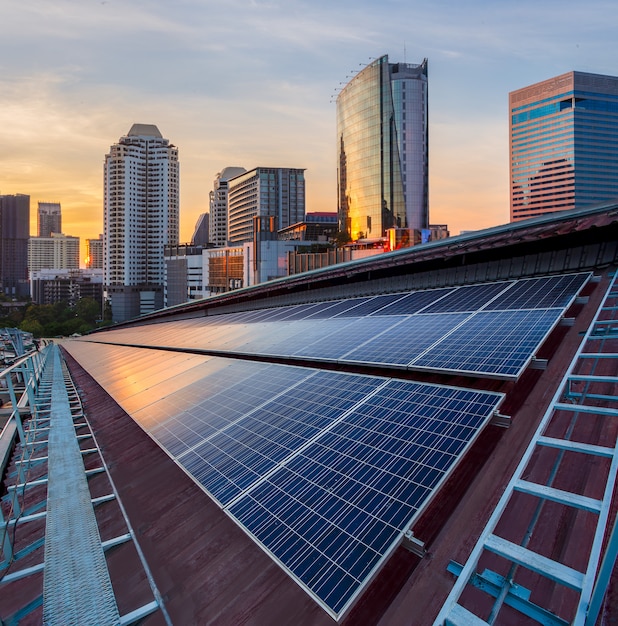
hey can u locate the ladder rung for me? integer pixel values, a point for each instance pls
(558, 495)
(553, 570)
(575, 446)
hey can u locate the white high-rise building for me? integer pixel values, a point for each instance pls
(58, 251)
(141, 204)
(218, 205)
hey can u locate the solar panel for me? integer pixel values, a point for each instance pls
(340, 306)
(470, 298)
(492, 342)
(334, 345)
(393, 330)
(372, 305)
(540, 293)
(328, 470)
(333, 511)
(414, 302)
(401, 342)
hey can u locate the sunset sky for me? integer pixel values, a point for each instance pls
(253, 83)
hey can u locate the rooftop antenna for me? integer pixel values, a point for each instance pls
(404, 52)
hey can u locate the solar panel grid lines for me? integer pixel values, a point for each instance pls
(491, 342)
(286, 407)
(334, 344)
(468, 298)
(349, 487)
(233, 396)
(372, 305)
(414, 302)
(543, 292)
(305, 311)
(279, 338)
(400, 343)
(338, 307)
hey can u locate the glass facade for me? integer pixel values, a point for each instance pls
(382, 134)
(277, 192)
(563, 144)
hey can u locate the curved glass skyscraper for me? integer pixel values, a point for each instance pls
(382, 135)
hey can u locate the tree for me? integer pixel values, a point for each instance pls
(87, 309)
(32, 326)
(342, 238)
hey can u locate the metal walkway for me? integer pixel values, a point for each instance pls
(587, 398)
(76, 587)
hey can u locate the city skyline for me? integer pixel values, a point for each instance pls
(254, 83)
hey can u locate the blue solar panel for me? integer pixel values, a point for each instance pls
(414, 302)
(493, 342)
(406, 340)
(235, 450)
(216, 401)
(340, 306)
(470, 298)
(327, 470)
(372, 305)
(389, 330)
(540, 293)
(335, 344)
(333, 511)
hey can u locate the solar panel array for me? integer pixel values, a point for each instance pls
(325, 470)
(490, 329)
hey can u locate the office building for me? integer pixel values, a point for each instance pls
(49, 286)
(49, 219)
(141, 201)
(382, 146)
(264, 192)
(14, 235)
(58, 251)
(183, 273)
(94, 253)
(563, 144)
(218, 205)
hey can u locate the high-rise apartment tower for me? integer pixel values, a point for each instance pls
(276, 194)
(563, 144)
(382, 145)
(94, 253)
(57, 251)
(49, 219)
(141, 199)
(217, 231)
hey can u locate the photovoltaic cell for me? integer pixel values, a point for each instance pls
(372, 305)
(540, 293)
(339, 307)
(471, 298)
(493, 342)
(335, 344)
(414, 302)
(332, 512)
(402, 342)
(237, 453)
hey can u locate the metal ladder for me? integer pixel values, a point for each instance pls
(575, 397)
